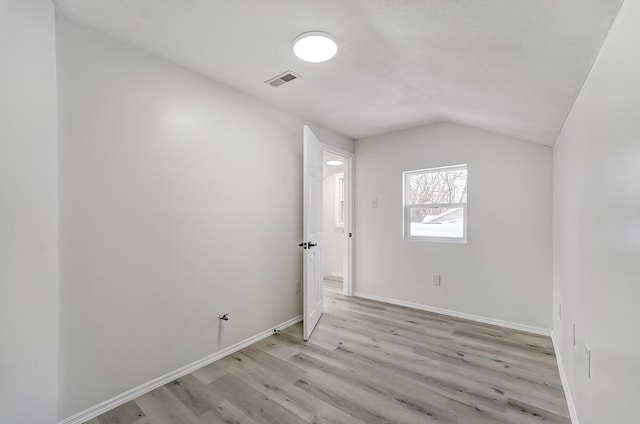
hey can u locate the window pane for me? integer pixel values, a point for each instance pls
(442, 186)
(339, 210)
(436, 222)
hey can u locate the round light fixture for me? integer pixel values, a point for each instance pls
(315, 46)
(334, 162)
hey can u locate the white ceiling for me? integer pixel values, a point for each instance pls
(510, 66)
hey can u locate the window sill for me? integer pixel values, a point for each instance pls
(449, 240)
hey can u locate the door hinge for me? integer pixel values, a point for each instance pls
(303, 245)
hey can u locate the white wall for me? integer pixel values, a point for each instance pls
(327, 136)
(597, 231)
(28, 213)
(504, 271)
(180, 199)
(333, 237)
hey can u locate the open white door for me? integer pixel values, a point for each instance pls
(312, 232)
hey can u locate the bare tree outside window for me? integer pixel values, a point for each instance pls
(435, 203)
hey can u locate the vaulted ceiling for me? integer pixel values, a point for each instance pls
(509, 66)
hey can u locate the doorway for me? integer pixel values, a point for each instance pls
(337, 221)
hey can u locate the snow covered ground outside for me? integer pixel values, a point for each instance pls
(445, 229)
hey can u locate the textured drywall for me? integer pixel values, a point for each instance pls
(180, 200)
(597, 232)
(28, 214)
(513, 67)
(503, 272)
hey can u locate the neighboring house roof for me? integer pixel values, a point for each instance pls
(454, 214)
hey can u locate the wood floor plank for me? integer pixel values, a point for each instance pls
(161, 405)
(210, 372)
(146, 420)
(368, 397)
(126, 413)
(368, 362)
(280, 347)
(484, 404)
(254, 404)
(226, 413)
(193, 394)
(523, 413)
(314, 409)
(467, 398)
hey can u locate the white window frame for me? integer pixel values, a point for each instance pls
(406, 208)
(339, 198)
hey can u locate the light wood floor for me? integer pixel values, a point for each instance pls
(368, 362)
(332, 285)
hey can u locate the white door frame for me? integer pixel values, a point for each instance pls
(348, 286)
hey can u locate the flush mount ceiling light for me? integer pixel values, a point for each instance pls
(315, 46)
(334, 162)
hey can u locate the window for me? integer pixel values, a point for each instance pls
(340, 200)
(435, 204)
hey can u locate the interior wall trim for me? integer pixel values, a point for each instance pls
(573, 412)
(131, 394)
(457, 314)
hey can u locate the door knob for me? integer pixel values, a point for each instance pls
(303, 245)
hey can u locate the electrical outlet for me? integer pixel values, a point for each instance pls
(298, 287)
(436, 279)
(588, 350)
(574, 333)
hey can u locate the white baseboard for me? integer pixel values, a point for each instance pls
(573, 412)
(125, 397)
(463, 315)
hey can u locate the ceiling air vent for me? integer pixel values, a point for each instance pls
(282, 79)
